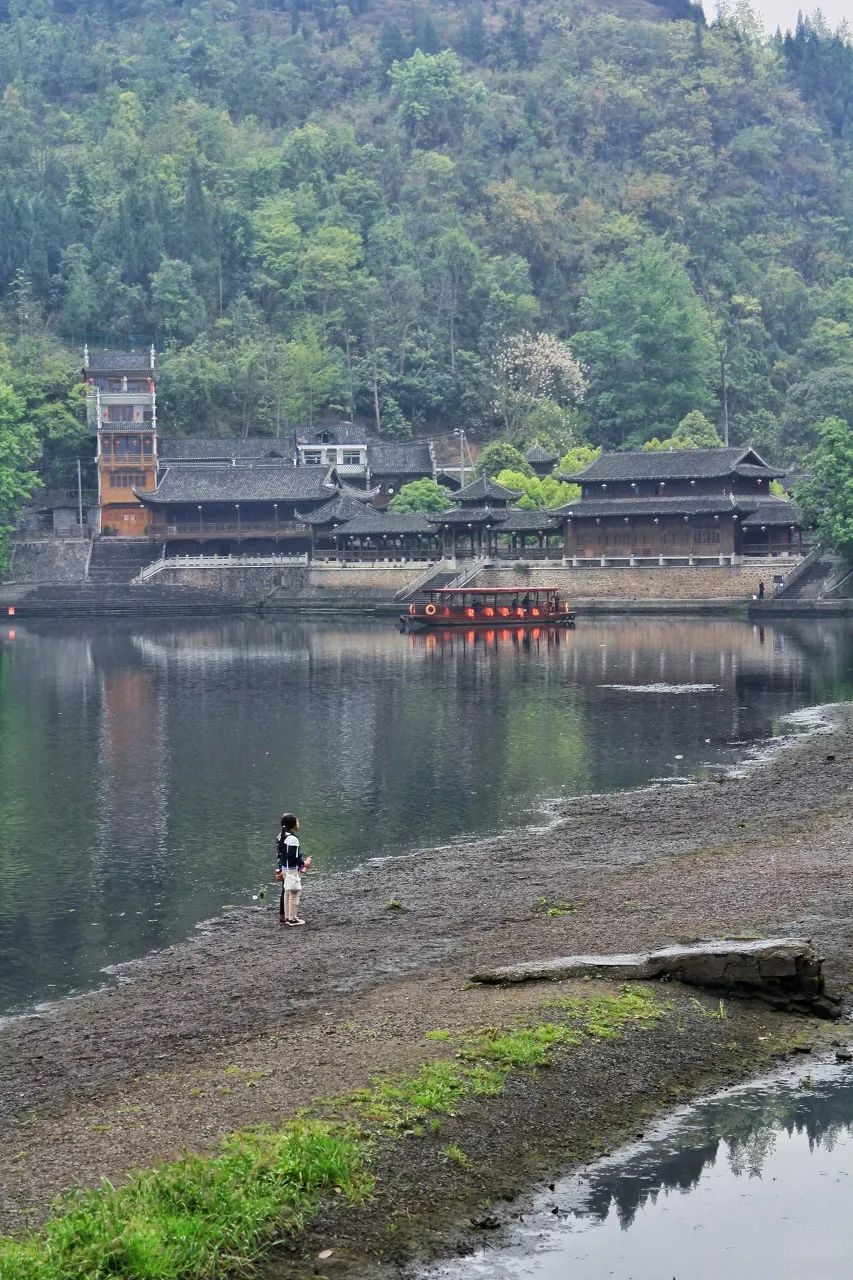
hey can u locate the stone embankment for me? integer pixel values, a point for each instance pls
(785, 973)
(729, 583)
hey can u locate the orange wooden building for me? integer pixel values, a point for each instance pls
(122, 407)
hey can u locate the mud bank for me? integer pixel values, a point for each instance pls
(205, 1037)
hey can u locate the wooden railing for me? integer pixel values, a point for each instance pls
(233, 529)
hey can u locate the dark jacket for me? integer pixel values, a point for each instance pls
(289, 852)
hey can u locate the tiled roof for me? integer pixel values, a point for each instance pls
(469, 515)
(773, 511)
(410, 458)
(536, 453)
(677, 464)
(338, 433)
(119, 362)
(688, 505)
(518, 521)
(341, 508)
(770, 473)
(360, 495)
(390, 522)
(485, 487)
(221, 448)
(270, 483)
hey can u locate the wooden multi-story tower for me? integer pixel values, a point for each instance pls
(122, 403)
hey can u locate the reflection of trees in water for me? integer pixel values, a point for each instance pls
(749, 1125)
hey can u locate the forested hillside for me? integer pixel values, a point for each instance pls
(378, 208)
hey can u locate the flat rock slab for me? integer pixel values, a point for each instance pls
(784, 972)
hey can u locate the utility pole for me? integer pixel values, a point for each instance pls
(79, 495)
(460, 432)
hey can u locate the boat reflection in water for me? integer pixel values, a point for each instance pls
(450, 639)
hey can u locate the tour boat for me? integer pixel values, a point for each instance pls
(489, 607)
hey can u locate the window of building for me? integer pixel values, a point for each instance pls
(127, 479)
(118, 412)
(331, 457)
(147, 446)
(137, 384)
(352, 458)
(313, 458)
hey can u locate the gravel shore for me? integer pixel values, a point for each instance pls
(197, 1040)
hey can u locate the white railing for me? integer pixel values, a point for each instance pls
(217, 562)
(471, 571)
(434, 567)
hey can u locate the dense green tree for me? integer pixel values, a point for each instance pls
(825, 394)
(501, 456)
(645, 341)
(19, 448)
(217, 178)
(576, 459)
(694, 431)
(422, 495)
(177, 306)
(827, 493)
(538, 493)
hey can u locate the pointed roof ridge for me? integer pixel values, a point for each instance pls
(538, 453)
(485, 487)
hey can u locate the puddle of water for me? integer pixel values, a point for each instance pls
(750, 1183)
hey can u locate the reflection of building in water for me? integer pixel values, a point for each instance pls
(133, 774)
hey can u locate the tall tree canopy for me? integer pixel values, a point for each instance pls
(397, 212)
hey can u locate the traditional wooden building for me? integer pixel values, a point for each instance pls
(390, 466)
(383, 467)
(245, 508)
(387, 535)
(541, 460)
(220, 451)
(680, 505)
(325, 522)
(122, 408)
(468, 529)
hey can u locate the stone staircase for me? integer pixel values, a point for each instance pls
(119, 559)
(123, 600)
(809, 583)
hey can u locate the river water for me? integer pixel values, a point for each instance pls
(143, 764)
(748, 1184)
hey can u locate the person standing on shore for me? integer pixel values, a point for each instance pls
(291, 864)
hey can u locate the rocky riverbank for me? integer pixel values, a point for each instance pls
(211, 1035)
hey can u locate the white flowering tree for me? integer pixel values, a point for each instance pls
(529, 368)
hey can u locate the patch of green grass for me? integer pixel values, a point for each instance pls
(196, 1217)
(438, 1034)
(603, 1017)
(400, 1102)
(557, 909)
(393, 904)
(720, 1012)
(524, 1047)
(454, 1154)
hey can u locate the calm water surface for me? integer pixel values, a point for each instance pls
(143, 765)
(749, 1184)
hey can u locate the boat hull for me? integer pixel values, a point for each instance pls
(418, 622)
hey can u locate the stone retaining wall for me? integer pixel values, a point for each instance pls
(49, 560)
(717, 582)
(281, 586)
